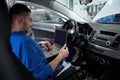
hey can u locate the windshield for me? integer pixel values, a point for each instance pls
(90, 10)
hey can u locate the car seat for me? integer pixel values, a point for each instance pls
(10, 67)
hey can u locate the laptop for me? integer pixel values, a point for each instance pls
(60, 38)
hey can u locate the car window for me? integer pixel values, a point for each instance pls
(39, 17)
(45, 16)
(54, 18)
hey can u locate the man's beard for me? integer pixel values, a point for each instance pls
(28, 31)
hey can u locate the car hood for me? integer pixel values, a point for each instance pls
(112, 7)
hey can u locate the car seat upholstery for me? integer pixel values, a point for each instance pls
(10, 67)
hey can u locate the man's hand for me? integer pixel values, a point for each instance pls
(45, 44)
(63, 53)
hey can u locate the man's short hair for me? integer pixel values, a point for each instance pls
(18, 9)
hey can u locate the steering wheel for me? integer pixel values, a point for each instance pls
(72, 29)
(74, 39)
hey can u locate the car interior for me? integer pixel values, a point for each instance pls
(97, 51)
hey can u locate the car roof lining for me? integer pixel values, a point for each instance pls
(42, 2)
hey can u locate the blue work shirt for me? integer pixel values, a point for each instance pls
(30, 54)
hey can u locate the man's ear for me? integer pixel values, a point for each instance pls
(20, 19)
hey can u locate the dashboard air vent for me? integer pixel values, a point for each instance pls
(116, 42)
(108, 33)
(92, 34)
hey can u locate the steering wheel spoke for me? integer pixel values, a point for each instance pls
(73, 31)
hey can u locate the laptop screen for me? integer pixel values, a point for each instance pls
(60, 37)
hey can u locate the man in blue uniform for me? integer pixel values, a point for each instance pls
(27, 50)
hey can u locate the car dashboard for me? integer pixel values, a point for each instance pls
(105, 40)
(102, 53)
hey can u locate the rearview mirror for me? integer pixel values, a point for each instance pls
(85, 1)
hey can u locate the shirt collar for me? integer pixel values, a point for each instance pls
(17, 33)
